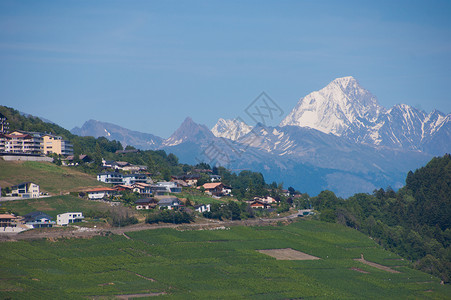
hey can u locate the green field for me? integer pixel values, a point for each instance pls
(214, 264)
(53, 205)
(50, 177)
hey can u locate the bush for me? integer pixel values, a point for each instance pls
(169, 216)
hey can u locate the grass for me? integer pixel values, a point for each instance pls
(50, 177)
(219, 264)
(198, 197)
(54, 205)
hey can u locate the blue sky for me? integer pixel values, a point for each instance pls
(146, 65)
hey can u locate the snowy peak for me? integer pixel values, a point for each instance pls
(230, 129)
(187, 132)
(342, 104)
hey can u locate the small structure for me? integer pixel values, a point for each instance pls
(146, 203)
(70, 160)
(4, 124)
(170, 203)
(123, 187)
(69, 218)
(100, 193)
(38, 219)
(267, 200)
(142, 188)
(25, 190)
(189, 179)
(215, 178)
(202, 208)
(7, 220)
(216, 189)
(171, 187)
(259, 204)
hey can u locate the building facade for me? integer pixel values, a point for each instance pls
(25, 190)
(69, 218)
(19, 142)
(56, 144)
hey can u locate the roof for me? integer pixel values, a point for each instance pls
(37, 214)
(28, 182)
(124, 186)
(169, 201)
(109, 173)
(105, 189)
(135, 175)
(212, 185)
(146, 200)
(141, 184)
(7, 216)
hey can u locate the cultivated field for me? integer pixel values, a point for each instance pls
(211, 264)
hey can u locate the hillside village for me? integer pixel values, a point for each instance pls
(99, 186)
(196, 192)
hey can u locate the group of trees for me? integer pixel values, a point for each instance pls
(413, 222)
(169, 216)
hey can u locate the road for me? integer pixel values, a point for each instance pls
(84, 232)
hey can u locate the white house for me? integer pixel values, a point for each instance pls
(171, 187)
(202, 208)
(130, 179)
(100, 193)
(170, 203)
(110, 177)
(68, 218)
(25, 190)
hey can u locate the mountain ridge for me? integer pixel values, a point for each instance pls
(359, 147)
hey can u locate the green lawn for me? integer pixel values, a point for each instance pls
(50, 177)
(216, 264)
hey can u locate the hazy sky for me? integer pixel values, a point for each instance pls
(146, 65)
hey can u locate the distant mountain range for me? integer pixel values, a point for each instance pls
(137, 139)
(338, 138)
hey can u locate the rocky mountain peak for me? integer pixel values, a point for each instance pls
(230, 129)
(188, 131)
(343, 103)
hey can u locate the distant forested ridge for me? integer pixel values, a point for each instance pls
(413, 222)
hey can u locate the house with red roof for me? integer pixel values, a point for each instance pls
(100, 193)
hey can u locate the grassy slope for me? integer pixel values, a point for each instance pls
(54, 205)
(51, 178)
(211, 265)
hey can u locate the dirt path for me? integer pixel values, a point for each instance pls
(378, 266)
(131, 296)
(83, 232)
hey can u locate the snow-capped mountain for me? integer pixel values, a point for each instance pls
(230, 129)
(342, 105)
(337, 138)
(345, 109)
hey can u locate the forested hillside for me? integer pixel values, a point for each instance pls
(413, 222)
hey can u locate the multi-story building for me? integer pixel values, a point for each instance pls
(56, 144)
(33, 143)
(69, 218)
(25, 190)
(130, 179)
(111, 177)
(21, 142)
